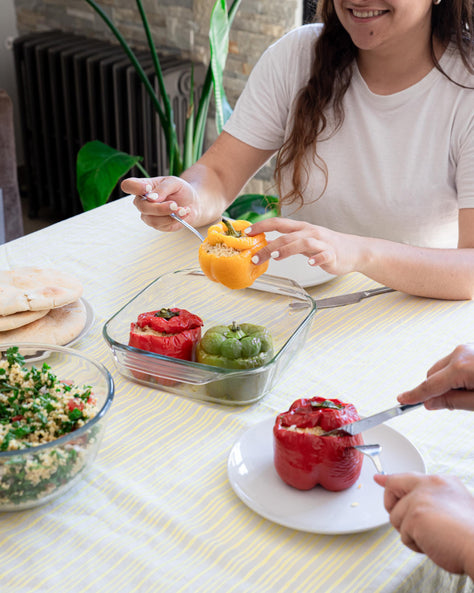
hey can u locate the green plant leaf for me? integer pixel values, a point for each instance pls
(206, 93)
(188, 152)
(219, 44)
(98, 169)
(167, 124)
(253, 207)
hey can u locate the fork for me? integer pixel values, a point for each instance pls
(372, 451)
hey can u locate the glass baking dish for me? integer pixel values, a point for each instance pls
(268, 302)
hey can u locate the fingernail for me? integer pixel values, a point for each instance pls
(275, 254)
(182, 212)
(152, 196)
(255, 259)
(311, 261)
(148, 188)
(173, 206)
(248, 230)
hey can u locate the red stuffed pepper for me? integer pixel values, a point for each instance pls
(171, 332)
(303, 458)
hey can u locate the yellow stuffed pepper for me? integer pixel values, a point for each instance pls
(225, 256)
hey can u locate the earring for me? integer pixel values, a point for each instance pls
(436, 2)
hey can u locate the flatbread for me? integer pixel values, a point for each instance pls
(36, 289)
(59, 327)
(15, 320)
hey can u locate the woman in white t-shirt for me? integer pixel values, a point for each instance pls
(371, 116)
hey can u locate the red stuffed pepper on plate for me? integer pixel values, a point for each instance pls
(304, 458)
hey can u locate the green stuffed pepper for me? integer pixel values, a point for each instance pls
(236, 347)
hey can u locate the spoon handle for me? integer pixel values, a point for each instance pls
(148, 195)
(187, 225)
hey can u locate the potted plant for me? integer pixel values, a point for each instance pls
(99, 166)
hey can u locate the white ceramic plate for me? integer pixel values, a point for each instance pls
(89, 323)
(297, 268)
(85, 330)
(359, 508)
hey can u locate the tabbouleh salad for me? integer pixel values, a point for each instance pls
(37, 408)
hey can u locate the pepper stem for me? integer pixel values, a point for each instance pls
(235, 327)
(166, 313)
(230, 228)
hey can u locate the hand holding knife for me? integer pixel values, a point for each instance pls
(371, 421)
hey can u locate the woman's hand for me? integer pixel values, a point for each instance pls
(202, 192)
(336, 253)
(427, 272)
(434, 515)
(157, 197)
(449, 383)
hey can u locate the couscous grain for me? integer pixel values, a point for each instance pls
(36, 408)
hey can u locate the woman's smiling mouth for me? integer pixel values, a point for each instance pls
(367, 14)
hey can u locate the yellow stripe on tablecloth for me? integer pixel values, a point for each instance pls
(375, 316)
(84, 553)
(340, 556)
(281, 566)
(269, 576)
(238, 542)
(400, 566)
(196, 410)
(260, 546)
(424, 573)
(111, 569)
(373, 565)
(199, 576)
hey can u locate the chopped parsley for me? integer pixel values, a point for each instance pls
(36, 408)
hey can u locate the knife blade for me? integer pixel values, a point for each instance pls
(349, 299)
(371, 421)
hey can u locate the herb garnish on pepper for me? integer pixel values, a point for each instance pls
(303, 458)
(225, 256)
(170, 332)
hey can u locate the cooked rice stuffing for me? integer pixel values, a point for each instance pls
(36, 407)
(222, 250)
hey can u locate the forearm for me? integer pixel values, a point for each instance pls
(220, 175)
(212, 198)
(435, 273)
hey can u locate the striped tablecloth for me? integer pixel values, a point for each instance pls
(156, 512)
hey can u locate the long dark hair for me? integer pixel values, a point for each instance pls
(333, 55)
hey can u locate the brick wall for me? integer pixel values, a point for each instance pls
(175, 24)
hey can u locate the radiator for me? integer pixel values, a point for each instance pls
(73, 89)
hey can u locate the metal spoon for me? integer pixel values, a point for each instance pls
(183, 222)
(372, 451)
(187, 225)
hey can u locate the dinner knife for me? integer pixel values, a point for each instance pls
(349, 299)
(371, 421)
(343, 299)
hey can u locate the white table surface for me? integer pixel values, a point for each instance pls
(156, 511)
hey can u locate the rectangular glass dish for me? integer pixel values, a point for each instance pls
(268, 302)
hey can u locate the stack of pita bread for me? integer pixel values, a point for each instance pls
(40, 305)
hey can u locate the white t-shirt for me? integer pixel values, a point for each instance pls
(400, 166)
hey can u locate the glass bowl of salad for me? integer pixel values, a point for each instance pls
(53, 406)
